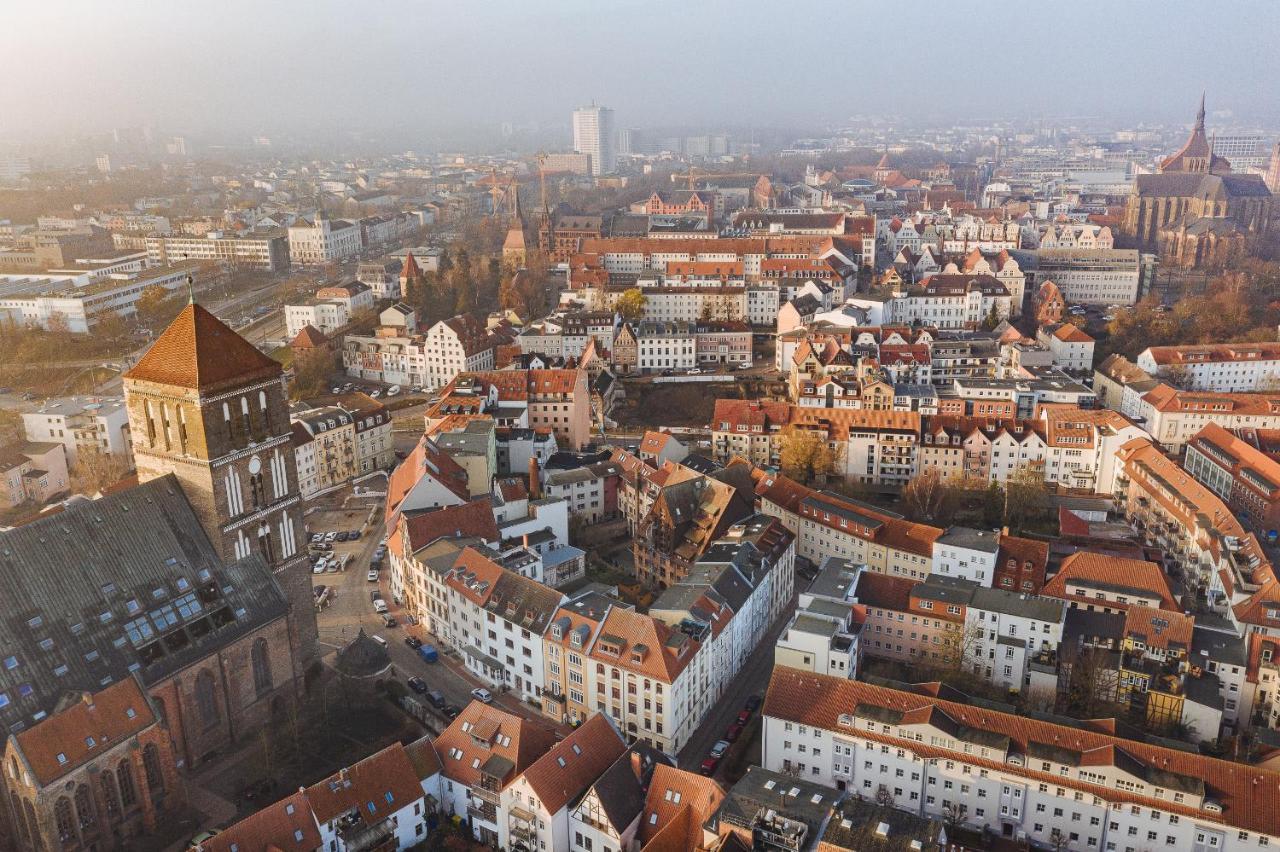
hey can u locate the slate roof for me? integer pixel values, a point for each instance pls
(199, 351)
(74, 580)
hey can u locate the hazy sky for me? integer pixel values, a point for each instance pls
(241, 66)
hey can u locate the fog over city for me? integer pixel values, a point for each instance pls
(459, 70)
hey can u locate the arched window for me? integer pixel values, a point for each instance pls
(265, 545)
(13, 767)
(256, 491)
(226, 421)
(33, 830)
(124, 779)
(21, 828)
(151, 423)
(206, 700)
(109, 799)
(84, 806)
(151, 765)
(261, 667)
(266, 414)
(63, 819)
(161, 710)
(246, 424)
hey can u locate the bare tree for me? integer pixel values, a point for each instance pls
(96, 470)
(927, 498)
(804, 453)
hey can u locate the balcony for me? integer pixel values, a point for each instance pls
(482, 811)
(357, 836)
(487, 794)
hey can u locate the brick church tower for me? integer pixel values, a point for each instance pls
(208, 407)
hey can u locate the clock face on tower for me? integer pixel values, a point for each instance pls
(255, 465)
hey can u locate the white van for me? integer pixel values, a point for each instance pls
(380, 641)
(380, 606)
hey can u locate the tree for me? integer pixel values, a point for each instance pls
(156, 306)
(631, 304)
(992, 319)
(96, 470)
(311, 373)
(927, 498)
(1025, 496)
(1176, 375)
(804, 453)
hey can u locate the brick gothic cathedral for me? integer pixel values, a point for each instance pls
(1195, 210)
(160, 624)
(206, 406)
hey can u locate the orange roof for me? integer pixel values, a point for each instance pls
(884, 591)
(672, 790)
(482, 732)
(200, 352)
(387, 779)
(1068, 333)
(654, 442)
(286, 825)
(473, 519)
(309, 337)
(634, 632)
(1159, 628)
(1115, 572)
(1249, 797)
(750, 412)
(572, 765)
(83, 730)
(427, 459)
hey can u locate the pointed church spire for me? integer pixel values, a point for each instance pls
(1200, 114)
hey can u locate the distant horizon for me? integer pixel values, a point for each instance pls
(440, 70)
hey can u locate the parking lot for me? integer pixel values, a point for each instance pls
(347, 607)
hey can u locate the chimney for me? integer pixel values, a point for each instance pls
(535, 486)
(637, 767)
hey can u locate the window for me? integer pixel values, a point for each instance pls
(206, 701)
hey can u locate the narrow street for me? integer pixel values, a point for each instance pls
(752, 680)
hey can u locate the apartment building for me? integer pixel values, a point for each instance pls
(954, 301)
(497, 619)
(747, 428)
(1071, 348)
(1233, 466)
(263, 251)
(825, 634)
(1173, 417)
(321, 240)
(334, 444)
(82, 425)
(32, 472)
(827, 524)
(552, 400)
(1090, 276)
(1216, 367)
(325, 315)
(1022, 778)
(58, 303)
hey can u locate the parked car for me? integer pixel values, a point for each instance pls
(744, 717)
(380, 606)
(694, 371)
(335, 390)
(734, 731)
(375, 595)
(319, 567)
(718, 750)
(413, 642)
(389, 621)
(709, 765)
(753, 703)
(340, 536)
(436, 699)
(418, 685)
(429, 653)
(393, 390)
(482, 695)
(353, 535)
(316, 538)
(330, 535)
(451, 711)
(375, 393)
(372, 576)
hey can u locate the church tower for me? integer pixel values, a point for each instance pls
(208, 407)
